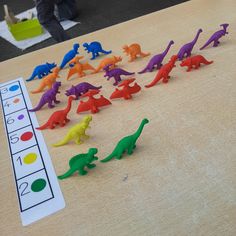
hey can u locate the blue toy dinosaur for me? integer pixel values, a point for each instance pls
(95, 48)
(70, 55)
(42, 70)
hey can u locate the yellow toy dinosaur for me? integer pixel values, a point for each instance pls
(106, 61)
(48, 81)
(76, 132)
(78, 67)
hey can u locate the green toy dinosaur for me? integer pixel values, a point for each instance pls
(79, 162)
(126, 144)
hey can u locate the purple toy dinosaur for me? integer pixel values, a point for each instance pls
(115, 73)
(48, 97)
(188, 47)
(216, 36)
(156, 60)
(80, 89)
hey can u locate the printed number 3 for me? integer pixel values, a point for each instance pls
(4, 90)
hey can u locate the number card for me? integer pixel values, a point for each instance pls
(37, 188)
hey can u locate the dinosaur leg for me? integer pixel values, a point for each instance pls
(56, 101)
(165, 79)
(78, 141)
(82, 171)
(85, 136)
(91, 166)
(197, 65)
(118, 156)
(130, 150)
(50, 105)
(93, 56)
(67, 120)
(189, 68)
(215, 44)
(117, 79)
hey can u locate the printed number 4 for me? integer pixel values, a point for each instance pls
(7, 104)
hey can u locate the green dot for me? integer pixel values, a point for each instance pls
(38, 185)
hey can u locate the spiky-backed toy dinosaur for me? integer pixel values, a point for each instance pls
(48, 81)
(126, 144)
(156, 61)
(79, 162)
(58, 117)
(115, 73)
(95, 48)
(76, 132)
(186, 49)
(216, 36)
(42, 70)
(134, 50)
(108, 61)
(80, 89)
(78, 67)
(163, 73)
(194, 62)
(49, 97)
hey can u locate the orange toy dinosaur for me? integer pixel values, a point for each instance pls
(134, 50)
(58, 117)
(78, 67)
(48, 81)
(109, 60)
(163, 73)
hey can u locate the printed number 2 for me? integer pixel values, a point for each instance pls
(14, 139)
(24, 186)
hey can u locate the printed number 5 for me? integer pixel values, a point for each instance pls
(14, 139)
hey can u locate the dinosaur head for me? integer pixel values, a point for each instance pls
(117, 59)
(174, 58)
(51, 65)
(185, 62)
(85, 45)
(125, 49)
(87, 119)
(145, 121)
(70, 91)
(224, 26)
(171, 42)
(76, 47)
(92, 152)
(107, 67)
(56, 85)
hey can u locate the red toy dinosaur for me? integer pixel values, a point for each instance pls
(127, 91)
(163, 73)
(194, 61)
(93, 103)
(58, 117)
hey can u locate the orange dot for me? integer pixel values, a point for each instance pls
(16, 100)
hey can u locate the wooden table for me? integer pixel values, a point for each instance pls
(181, 179)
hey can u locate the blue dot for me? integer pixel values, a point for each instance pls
(14, 88)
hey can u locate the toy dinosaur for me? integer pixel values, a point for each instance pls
(79, 162)
(95, 48)
(108, 61)
(78, 67)
(126, 144)
(48, 81)
(133, 51)
(194, 61)
(156, 61)
(186, 49)
(49, 97)
(93, 103)
(70, 55)
(42, 70)
(58, 117)
(163, 73)
(76, 132)
(115, 73)
(127, 91)
(80, 89)
(216, 36)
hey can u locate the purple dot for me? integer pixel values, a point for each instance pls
(20, 117)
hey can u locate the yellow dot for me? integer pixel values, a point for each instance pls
(30, 158)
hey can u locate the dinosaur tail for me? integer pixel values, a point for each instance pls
(40, 89)
(94, 87)
(72, 71)
(144, 70)
(207, 62)
(144, 54)
(43, 126)
(38, 107)
(106, 52)
(62, 142)
(108, 158)
(67, 174)
(206, 44)
(31, 78)
(128, 73)
(157, 78)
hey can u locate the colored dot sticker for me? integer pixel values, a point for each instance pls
(14, 88)
(16, 100)
(20, 117)
(38, 185)
(30, 158)
(26, 136)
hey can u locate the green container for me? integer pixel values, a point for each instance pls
(25, 29)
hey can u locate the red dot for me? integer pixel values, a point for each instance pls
(26, 136)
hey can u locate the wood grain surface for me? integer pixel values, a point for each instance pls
(181, 179)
